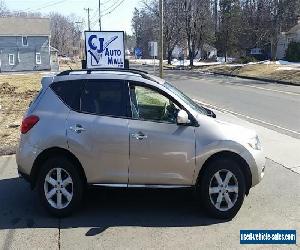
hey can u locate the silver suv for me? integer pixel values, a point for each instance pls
(126, 128)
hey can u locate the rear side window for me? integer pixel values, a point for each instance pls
(104, 97)
(69, 92)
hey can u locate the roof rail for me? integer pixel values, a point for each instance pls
(136, 71)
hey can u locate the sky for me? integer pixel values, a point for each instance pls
(119, 19)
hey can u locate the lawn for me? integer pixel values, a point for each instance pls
(16, 92)
(266, 71)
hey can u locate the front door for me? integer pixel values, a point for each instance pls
(161, 152)
(98, 133)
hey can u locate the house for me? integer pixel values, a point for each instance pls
(24, 44)
(258, 53)
(205, 52)
(293, 35)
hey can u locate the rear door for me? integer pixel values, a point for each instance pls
(98, 131)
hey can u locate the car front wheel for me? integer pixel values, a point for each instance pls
(60, 186)
(222, 188)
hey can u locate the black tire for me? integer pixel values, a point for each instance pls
(71, 169)
(208, 178)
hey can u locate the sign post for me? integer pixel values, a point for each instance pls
(104, 49)
(153, 51)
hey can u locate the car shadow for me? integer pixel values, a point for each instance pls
(103, 208)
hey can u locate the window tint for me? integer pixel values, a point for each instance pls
(69, 92)
(148, 104)
(104, 97)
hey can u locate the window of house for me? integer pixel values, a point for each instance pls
(11, 59)
(25, 40)
(38, 59)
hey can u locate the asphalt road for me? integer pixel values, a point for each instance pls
(271, 105)
(166, 219)
(143, 219)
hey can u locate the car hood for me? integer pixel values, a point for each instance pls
(234, 130)
(224, 130)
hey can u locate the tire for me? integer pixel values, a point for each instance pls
(212, 189)
(69, 187)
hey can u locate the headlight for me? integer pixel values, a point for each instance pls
(254, 143)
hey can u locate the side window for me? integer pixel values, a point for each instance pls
(69, 92)
(148, 104)
(104, 97)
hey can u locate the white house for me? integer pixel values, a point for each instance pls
(293, 35)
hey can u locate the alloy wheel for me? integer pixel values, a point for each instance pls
(58, 188)
(223, 190)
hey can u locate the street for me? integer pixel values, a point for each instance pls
(173, 219)
(271, 105)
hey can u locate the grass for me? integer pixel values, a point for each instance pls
(16, 92)
(267, 71)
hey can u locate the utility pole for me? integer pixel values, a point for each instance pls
(89, 21)
(100, 15)
(161, 37)
(80, 39)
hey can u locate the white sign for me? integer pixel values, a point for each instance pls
(152, 48)
(104, 49)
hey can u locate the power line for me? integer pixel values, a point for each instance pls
(105, 3)
(110, 11)
(50, 4)
(111, 6)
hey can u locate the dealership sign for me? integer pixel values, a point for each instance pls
(104, 49)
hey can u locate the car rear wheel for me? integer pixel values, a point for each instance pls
(222, 188)
(60, 186)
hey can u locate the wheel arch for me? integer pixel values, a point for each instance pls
(48, 153)
(234, 156)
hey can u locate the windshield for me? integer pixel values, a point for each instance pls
(185, 98)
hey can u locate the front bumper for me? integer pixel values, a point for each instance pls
(257, 162)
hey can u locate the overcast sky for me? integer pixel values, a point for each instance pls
(119, 19)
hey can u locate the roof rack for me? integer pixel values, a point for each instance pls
(88, 71)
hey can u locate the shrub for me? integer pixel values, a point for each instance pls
(292, 53)
(246, 59)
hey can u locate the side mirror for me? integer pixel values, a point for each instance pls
(182, 117)
(210, 113)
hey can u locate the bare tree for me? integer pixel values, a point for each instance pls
(3, 9)
(198, 25)
(65, 33)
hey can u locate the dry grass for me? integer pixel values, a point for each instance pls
(267, 71)
(16, 92)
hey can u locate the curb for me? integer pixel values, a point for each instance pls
(259, 79)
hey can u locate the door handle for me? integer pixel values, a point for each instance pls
(139, 136)
(77, 128)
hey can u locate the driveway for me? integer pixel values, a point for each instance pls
(135, 219)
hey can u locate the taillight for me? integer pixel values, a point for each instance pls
(28, 123)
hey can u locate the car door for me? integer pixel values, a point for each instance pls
(98, 132)
(161, 152)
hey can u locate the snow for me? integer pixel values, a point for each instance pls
(281, 62)
(175, 62)
(282, 65)
(287, 68)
